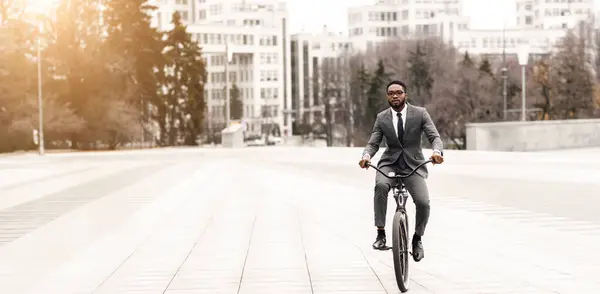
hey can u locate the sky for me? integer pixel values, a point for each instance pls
(484, 14)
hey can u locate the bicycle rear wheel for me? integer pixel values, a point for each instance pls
(400, 250)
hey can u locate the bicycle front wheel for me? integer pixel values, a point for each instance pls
(400, 250)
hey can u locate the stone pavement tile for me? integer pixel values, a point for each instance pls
(276, 287)
(445, 279)
(46, 209)
(337, 266)
(222, 288)
(68, 249)
(170, 247)
(219, 255)
(118, 250)
(202, 279)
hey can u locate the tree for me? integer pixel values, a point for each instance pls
(462, 100)
(18, 85)
(573, 79)
(421, 81)
(467, 62)
(330, 89)
(486, 67)
(236, 103)
(136, 46)
(185, 77)
(541, 78)
(376, 93)
(359, 84)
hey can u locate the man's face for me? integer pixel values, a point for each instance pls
(396, 96)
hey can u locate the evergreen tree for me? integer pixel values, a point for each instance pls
(137, 49)
(467, 61)
(572, 79)
(486, 67)
(236, 104)
(76, 52)
(376, 93)
(184, 82)
(421, 80)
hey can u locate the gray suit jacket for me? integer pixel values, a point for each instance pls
(418, 122)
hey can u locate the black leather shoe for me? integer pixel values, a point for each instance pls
(417, 250)
(379, 243)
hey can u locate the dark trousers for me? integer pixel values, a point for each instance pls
(415, 185)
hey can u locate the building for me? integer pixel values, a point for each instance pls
(370, 24)
(314, 57)
(257, 34)
(494, 42)
(545, 14)
(541, 23)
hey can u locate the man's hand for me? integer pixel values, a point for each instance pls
(437, 158)
(364, 162)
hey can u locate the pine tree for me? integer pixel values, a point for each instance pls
(467, 61)
(420, 76)
(236, 103)
(376, 93)
(136, 48)
(572, 79)
(184, 80)
(486, 67)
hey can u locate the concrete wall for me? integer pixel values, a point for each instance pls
(533, 135)
(233, 137)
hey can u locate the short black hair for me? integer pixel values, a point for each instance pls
(396, 82)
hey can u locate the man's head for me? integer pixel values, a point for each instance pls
(396, 94)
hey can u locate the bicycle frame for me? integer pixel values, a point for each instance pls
(398, 188)
(400, 237)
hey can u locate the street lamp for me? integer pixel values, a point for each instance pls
(229, 57)
(39, 9)
(504, 68)
(523, 56)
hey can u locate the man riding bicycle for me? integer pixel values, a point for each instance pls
(402, 125)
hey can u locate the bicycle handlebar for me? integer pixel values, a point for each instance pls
(402, 176)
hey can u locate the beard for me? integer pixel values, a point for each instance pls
(397, 106)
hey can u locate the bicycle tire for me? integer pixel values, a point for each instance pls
(400, 250)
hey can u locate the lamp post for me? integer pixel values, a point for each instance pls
(229, 57)
(504, 69)
(523, 56)
(504, 76)
(40, 105)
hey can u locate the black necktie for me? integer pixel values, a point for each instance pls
(400, 127)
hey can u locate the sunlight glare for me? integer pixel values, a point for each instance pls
(40, 6)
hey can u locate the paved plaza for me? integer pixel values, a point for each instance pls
(292, 220)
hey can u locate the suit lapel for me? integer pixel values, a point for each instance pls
(410, 121)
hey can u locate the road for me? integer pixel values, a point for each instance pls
(291, 220)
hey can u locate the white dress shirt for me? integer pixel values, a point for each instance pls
(395, 120)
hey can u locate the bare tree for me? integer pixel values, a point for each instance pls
(332, 90)
(461, 100)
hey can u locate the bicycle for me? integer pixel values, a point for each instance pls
(400, 235)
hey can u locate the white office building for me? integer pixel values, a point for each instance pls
(257, 34)
(546, 14)
(540, 24)
(370, 24)
(313, 56)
